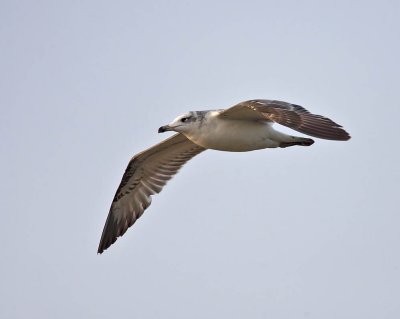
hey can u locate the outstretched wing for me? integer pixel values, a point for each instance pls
(290, 115)
(146, 174)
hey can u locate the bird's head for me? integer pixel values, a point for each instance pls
(184, 123)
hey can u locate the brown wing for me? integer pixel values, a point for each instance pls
(146, 174)
(290, 115)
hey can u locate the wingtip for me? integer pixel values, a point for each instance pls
(100, 250)
(344, 136)
(336, 133)
(103, 246)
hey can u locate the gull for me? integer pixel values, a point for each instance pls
(244, 127)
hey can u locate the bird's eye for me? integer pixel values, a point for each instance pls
(184, 119)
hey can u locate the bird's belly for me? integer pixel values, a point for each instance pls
(236, 136)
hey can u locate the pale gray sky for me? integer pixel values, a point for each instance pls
(290, 233)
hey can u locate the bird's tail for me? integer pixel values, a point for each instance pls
(301, 141)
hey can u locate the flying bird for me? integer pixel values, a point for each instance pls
(244, 127)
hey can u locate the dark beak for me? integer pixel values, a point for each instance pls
(163, 129)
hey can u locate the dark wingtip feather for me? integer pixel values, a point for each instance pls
(109, 236)
(322, 127)
(339, 134)
(346, 136)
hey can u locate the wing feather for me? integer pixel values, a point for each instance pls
(291, 115)
(146, 175)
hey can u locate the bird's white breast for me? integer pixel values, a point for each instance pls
(233, 135)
